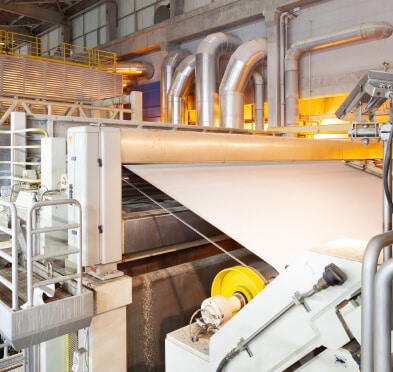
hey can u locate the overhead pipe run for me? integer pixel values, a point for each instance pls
(234, 82)
(365, 31)
(179, 90)
(284, 18)
(206, 75)
(169, 65)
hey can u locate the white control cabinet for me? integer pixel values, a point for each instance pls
(94, 176)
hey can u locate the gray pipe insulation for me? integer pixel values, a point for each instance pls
(179, 90)
(206, 75)
(259, 115)
(168, 67)
(234, 82)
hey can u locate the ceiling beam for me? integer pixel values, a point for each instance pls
(34, 12)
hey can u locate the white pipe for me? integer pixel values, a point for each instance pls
(283, 27)
(284, 17)
(365, 31)
(169, 65)
(238, 72)
(206, 75)
(179, 90)
(258, 100)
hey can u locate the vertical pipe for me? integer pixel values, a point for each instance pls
(15, 288)
(79, 259)
(283, 28)
(369, 268)
(29, 259)
(258, 100)
(382, 313)
(387, 213)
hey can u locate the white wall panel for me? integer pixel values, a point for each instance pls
(125, 7)
(102, 35)
(91, 20)
(102, 15)
(140, 4)
(126, 26)
(91, 39)
(194, 4)
(145, 18)
(77, 26)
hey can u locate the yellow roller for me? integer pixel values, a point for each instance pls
(238, 279)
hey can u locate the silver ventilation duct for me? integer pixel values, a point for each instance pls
(206, 75)
(365, 31)
(237, 74)
(135, 69)
(169, 64)
(258, 100)
(179, 90)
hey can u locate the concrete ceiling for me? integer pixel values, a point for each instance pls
(34, 17)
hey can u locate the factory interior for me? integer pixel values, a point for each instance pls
(196, 185)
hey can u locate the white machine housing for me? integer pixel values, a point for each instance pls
(94, 178)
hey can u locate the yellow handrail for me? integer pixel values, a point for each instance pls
(16, 44)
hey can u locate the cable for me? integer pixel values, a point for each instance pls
(126, 180)
(387, 162)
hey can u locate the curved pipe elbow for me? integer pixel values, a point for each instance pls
(218, 43)
(179, 88)
(242, 64)
(237, 74)
(169, 65)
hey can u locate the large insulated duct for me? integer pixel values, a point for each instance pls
(135, 69)
(179, 90)
(365, 31)
(206, 75)
(168, 67)
(237, 74)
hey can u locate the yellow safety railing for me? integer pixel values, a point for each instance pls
(55, 51)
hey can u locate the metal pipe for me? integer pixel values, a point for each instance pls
(369, 269)
(382, 312)
(283, 43)
(206, 75)
(168, 67)
(179, 90)
(135, 69)
(387, 212)
(365, 31)
(258, 100)
(234, 81)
